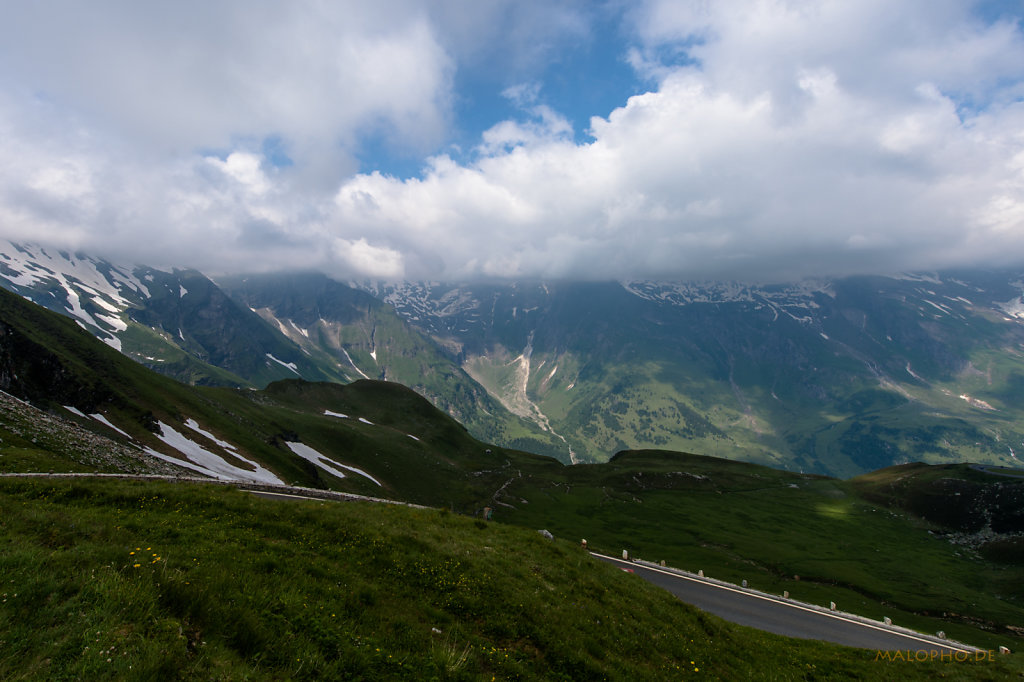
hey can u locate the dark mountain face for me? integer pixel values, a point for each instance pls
(211, 327)
(364, 337)
(31, 370)
(303, 297)
(179, 323)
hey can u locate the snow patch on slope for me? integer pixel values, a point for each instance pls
(202, 460)
(1013, 308)
(309, 454)
(792, 299)
(29, 265)
(106, 422)
(349, 358)
(194, 425)
(74, 410)
(102, 303)
(115, 323)
(975, 402)
(290, 365)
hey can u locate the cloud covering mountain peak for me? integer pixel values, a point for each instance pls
(758, 139)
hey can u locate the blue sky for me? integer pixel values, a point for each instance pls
(765, 139)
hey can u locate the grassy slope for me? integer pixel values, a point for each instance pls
(749, 524)
(34, 441)
(125, 580)
(974, 508)
(928, 492)
(443, 465)
(416, 452)
(739, 521)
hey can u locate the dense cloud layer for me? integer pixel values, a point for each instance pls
(772, 140)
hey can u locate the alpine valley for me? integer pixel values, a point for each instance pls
(234, 586)
(837, 377)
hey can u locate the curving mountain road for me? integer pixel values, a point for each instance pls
(1009, 472)
(735, 604)
(786, 617)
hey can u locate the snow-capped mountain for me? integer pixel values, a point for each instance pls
(93, 291)
(250, 331)
(179, 322)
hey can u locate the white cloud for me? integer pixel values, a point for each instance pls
(189, 75)
(544, 124)
(776, 139)
(794, 148)
(245, 169)
(369, 260)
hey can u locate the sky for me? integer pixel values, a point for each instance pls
(767, 140)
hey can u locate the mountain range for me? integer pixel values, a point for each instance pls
(933, 547)
(838, 376)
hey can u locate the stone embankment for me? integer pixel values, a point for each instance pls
(65, 438)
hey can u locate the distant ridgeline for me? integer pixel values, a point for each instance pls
(840, 377)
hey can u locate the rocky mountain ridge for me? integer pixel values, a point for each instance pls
(250, 331)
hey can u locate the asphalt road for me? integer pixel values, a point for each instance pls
(1009, 472)
(781, 617)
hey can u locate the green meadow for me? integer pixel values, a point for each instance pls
(818, 538)
(141, 580)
